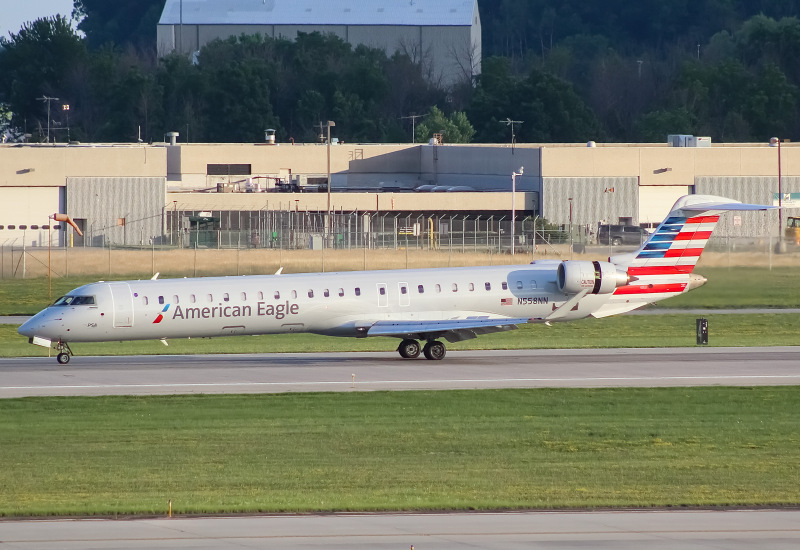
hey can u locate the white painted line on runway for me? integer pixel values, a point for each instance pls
(375, 382)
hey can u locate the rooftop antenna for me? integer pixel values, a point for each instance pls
(511, 123)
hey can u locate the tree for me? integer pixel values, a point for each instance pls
(119, 23)
(455, 128)
(39, 61)
(548, 106)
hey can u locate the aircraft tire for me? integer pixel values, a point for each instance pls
(435, 351)
(63, 358)
(409, 349)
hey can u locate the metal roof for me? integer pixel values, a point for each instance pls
(320, 12)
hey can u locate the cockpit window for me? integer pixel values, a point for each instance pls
(75, 301)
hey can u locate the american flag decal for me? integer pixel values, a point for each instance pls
(506, 301)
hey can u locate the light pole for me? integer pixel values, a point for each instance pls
(571, 234)
(514, 203)
(779, 247)
(330, 123)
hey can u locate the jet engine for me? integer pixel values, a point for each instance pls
(598, 277)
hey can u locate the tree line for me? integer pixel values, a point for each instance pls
(571, 71)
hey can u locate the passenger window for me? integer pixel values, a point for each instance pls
(192, 298)
(471, 287)
(358, 291)
(310, 293)
(341, 292)
(438, 287)
(403, 290)
(488, 286)
(145, 299)
(382, 291)
(260, 295)
(225, 297)
(277, 295)
(244, 296)
(294, 294)
(210, 297)
(505, 285)
(420, 289)
(161, 300)
(533, 285)
(175, 299)
(455, 287)
(326, 293)
(519, 285)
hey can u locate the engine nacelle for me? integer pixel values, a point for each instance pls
(598, 277)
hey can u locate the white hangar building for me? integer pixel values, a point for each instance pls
(446, 32)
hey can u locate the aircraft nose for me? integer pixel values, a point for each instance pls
(26, 329)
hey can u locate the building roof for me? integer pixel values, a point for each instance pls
(320, 12)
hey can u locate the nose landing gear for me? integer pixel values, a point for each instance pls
(64, 352)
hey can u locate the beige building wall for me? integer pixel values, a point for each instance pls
(48, 166)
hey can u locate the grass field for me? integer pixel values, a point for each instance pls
(499, 449)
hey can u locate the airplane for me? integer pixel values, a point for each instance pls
(417, 305)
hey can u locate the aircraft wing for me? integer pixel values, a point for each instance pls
(453, 330)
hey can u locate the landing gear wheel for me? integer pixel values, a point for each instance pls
(63, 352)
(434, 351)
(409, 349)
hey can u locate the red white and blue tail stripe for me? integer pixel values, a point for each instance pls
(662, 267)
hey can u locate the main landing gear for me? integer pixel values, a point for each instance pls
(64, 352)
(410, 349)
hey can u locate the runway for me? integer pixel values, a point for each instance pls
(307, 372)
(674, 530)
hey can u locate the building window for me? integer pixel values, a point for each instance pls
(228, 169)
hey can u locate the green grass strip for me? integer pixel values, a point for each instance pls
(450, 450)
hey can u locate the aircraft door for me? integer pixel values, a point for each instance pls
(383, 296)
(123, 304)
(405, 297)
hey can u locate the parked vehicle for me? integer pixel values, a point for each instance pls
(621, 234)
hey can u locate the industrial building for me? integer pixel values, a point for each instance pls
(444, 33)
(139, 194)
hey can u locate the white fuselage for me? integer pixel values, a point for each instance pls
(324, 303)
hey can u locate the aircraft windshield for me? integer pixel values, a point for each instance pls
(75, 301)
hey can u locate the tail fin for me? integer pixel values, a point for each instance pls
(664, 263)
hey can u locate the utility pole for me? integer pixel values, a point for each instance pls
(511, 123)
(413, 125)
(48, 100)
